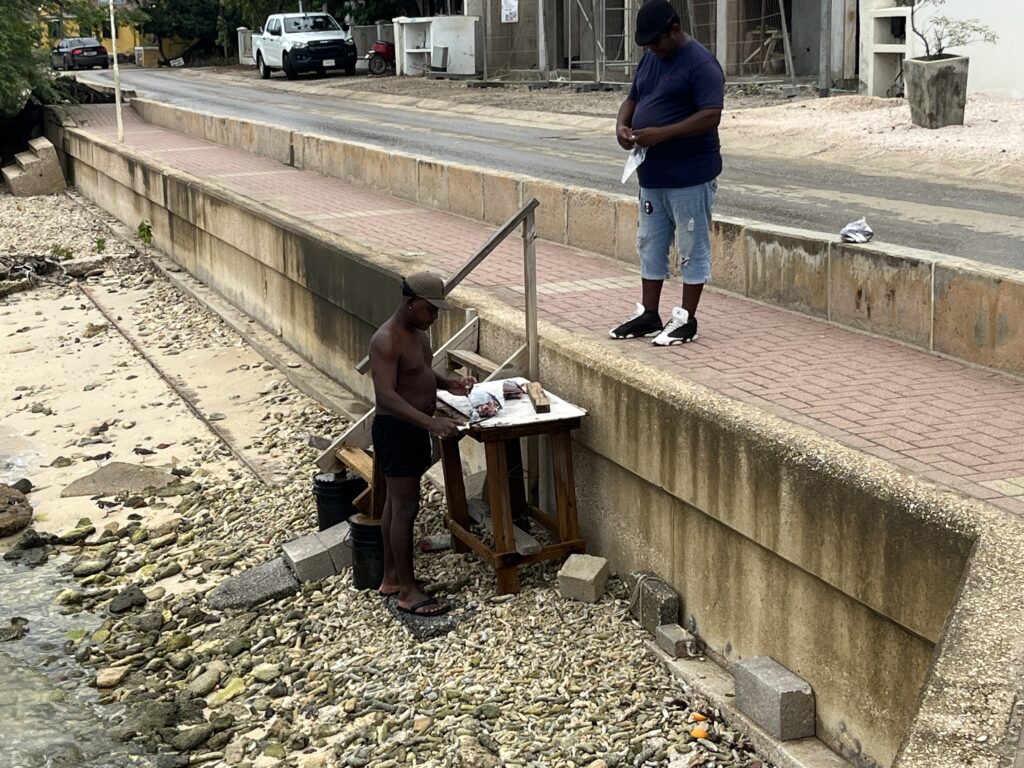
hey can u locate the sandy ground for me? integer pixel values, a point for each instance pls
(78, 389)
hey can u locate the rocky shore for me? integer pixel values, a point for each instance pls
(324, 677)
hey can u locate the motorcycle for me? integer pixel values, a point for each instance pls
(381, 58)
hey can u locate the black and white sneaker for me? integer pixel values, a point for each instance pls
(681, 328)
(642, 323)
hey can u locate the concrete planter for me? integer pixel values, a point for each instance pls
(937, 90)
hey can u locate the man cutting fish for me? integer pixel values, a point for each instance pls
(405, 387)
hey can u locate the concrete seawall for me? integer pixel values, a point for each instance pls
(896, 601)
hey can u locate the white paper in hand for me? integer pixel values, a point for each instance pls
(633, 162)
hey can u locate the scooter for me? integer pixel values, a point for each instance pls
(381, 58)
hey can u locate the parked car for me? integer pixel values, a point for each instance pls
(79, 53)
(303, 42)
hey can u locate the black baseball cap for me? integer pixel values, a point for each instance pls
(653, 19)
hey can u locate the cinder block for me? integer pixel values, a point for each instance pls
(335, 541)
(676, 641)
(775, 698)
(308, 558)
(651, 601)
(583, 577)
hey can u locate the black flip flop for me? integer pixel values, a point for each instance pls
(415, 609)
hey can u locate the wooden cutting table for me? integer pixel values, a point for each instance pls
(506, 490)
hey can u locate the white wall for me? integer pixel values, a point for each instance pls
(997, 69)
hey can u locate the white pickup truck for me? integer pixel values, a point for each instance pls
(303, 42)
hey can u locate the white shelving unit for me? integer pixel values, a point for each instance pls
(882, 53)
(448, 41)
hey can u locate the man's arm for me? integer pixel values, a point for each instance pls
(623, 123)
(699, 122)
(384, 354)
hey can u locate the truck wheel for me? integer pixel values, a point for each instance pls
(261, 67)
(289, 68)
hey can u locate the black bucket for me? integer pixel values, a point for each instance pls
(334, 494)
(367, 544)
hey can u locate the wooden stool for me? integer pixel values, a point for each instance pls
(507, 496)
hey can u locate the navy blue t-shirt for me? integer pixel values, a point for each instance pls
(670, 90)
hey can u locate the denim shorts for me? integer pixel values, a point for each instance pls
(682, 214)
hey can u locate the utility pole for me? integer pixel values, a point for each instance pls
(825, 50)
(117, 73)
(542, 41)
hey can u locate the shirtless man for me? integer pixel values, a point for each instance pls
(406, 387)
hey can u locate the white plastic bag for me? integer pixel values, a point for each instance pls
(857, 232)
(633, 161)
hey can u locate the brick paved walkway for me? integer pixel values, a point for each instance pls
(953, 424)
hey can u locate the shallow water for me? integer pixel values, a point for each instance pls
(49, 717)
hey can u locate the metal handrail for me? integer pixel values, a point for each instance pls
(525, 216)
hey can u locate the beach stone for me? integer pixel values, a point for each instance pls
(676, 641)
(15, 511)
(130, 597)
(234, 688)
(583, 578)
(77, 535)
(652, 602)
(119, 477)
(166, 571)
(111, 677)
(24, 485)
(470, 754)
(775, 698)
(89, 568)
(190, 738)
(271, 580)
(308, 558)
(15, 631)
(206, 682)
(150, 716)
(267, 673)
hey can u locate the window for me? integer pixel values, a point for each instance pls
(310, 23)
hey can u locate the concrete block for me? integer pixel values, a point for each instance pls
(335, 541)
(652, 602)
(676, 641)
(583, 577)
(466, 192)
(626, 223)
(432, 181)
(501, 197)
(308, 558)
(885, 293)
(775, 698)
(590, 221)
(979, 315)
(550, 214)
(267, 581)
(729, 255)
(787, 269)
(365, 167)
(402, 176)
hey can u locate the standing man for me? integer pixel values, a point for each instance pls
(405, 388)
(673, 109)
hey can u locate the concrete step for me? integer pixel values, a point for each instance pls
(26, 161)
(36, 172)
(43, 149)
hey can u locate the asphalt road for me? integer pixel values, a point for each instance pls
(973, 223)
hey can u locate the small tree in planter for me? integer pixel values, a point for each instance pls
(937, 82)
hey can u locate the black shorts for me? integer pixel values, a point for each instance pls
(401, 449)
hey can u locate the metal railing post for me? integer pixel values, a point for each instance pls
(530, 277)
